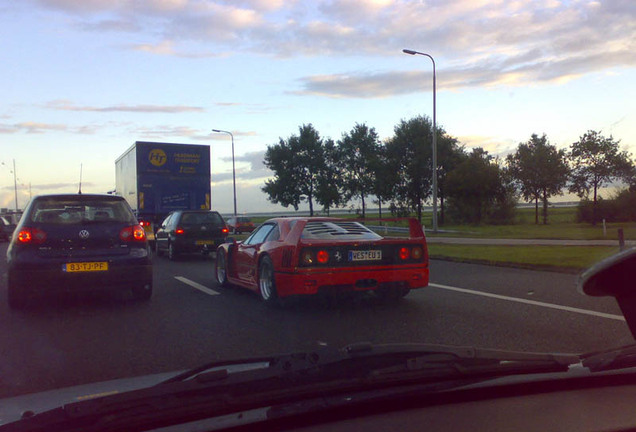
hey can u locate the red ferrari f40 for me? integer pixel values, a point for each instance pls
(308, 255)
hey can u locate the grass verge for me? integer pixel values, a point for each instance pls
(569, 259)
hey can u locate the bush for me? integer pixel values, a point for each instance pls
(500, 212)
(621, 208)
(503, 211)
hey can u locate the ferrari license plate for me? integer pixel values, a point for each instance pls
(85, 267)
(204, 242)
(365, 255)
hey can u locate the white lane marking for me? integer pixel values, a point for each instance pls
(196, 285)
(531, 302)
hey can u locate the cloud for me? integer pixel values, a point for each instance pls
(169, 109)
(169, 48)
(255, 168)
(476, 41)
(47, 186)
(31, 127)
(523, 70)
(159, 132)
(493, 145)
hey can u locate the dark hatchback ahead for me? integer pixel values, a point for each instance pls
(6, 228)
(190, 231)
(78, 243)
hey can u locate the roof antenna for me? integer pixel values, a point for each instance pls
(80, 183)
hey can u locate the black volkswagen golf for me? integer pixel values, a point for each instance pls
(78, 243)
(190, 231)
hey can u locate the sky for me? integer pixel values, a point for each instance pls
(82, 80)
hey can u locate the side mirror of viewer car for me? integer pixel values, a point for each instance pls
(616, 277)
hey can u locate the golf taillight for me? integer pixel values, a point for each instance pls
(132, 233)
(179, 231)
(31, 236)
(225, 230)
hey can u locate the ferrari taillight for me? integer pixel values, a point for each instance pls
(322, 256)
(307, 258)
(310, 257)
(417, 253)
(404, 253)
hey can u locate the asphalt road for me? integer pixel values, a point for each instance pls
(190, 321)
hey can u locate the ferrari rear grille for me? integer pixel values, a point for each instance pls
(336, 228)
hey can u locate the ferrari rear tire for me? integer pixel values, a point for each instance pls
(266, 283)
(220, 268)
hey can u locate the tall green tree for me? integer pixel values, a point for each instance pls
(297, 164)
(449, 155)
(476, 188)
(385, 177)
(357, 151)
(596, 161)
(539, 171)
(328, 189)
(410, 151)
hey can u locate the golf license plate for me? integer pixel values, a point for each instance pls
(85, 267)
(204, 242)
(365, 255)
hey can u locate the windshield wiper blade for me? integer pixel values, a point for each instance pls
(399, 356)
(224, 387)
(616, 358)
(461, 361)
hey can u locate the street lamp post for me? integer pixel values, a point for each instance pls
(233, 166)
(15, 186)
(15, 182)
(411, 52)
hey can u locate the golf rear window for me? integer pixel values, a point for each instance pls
(201, 218)
(62, 211)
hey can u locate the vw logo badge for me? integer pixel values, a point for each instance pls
(84, 234)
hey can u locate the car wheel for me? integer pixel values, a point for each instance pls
(172, 253)
(220, 268)
(16, 296)
(266, 283)
(143, 292)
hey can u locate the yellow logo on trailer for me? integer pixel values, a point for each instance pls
(157, 157)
